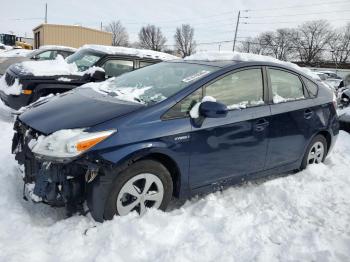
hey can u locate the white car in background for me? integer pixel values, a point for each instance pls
(47, 52)
(330, 78)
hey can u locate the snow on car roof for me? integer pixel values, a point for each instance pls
(142, 53)
(58, 47)
(246, 57)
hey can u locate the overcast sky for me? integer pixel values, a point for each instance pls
(213, 20)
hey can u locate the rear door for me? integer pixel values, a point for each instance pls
(292, 118)
(236, 145)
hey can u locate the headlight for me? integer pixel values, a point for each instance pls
(67, 143)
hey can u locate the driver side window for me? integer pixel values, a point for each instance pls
(47, 55)
(238, 90)
(182, 108)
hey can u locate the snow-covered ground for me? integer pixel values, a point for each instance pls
(301, 217)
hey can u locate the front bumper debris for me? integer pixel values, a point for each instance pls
(56, 184)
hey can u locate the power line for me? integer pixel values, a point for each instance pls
(316, 13)
(298, 6)
(286, 22)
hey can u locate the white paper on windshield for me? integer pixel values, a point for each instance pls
(195, 76)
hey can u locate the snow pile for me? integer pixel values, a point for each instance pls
(14, 89)
(129, 94)
(64, 79)
(59, 66)
(246, 57)
(91, 71)
(302, 217)
(119, 50)
(16, 53)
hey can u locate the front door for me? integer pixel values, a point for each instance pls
(236, 145)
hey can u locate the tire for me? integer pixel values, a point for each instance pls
(134, 179)
(317, 142)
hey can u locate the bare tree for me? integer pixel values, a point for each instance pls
(120, 36)
(340, 45)
(184, 42)
(252, 45)
(151, 37)
(279, 44)
(312, 38)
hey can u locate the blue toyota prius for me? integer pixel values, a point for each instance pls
(174, 129)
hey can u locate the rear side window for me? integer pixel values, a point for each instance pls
(285, 86)
(118, 67)
(143, 63)
(238, 90)
(311, 87)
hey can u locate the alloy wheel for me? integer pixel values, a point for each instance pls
(140, 192)
(316, 153)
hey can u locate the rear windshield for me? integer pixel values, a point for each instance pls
(154, 83)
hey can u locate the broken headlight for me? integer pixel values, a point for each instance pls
(67, 143)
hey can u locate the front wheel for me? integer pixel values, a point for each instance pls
(145, 184)
(316, 151)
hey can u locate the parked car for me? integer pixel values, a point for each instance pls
(26, 82)
(173, 129)
(4, 48)
(331, 74)
(18, 55)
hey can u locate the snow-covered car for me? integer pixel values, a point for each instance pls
(47, 52)
(176, 128)
(26, 82)
(331, 74)
(4, 48)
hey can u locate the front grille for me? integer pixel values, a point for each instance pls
(10, 79)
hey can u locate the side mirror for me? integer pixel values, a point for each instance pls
(96, 76)
(35, 58)
(213, 109)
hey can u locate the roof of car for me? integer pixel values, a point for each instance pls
(119, 50)
(230, 58)
(58, 47)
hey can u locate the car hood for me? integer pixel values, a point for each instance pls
(57, 67)
(80, 108)
(6, 62)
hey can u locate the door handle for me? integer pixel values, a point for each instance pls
(308, 113)
(261, 124)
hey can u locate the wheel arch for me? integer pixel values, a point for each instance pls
(169, 164)
(328, 137)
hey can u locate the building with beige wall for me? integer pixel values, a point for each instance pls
(69, 35)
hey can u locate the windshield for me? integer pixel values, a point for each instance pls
(84, 59)
(153, 83)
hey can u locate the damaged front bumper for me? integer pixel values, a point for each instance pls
(52, 181)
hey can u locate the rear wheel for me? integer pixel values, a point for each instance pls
(145, 184)
(316, 151)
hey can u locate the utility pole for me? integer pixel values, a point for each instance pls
(46, 13)
(234, 40)
(101, 26)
